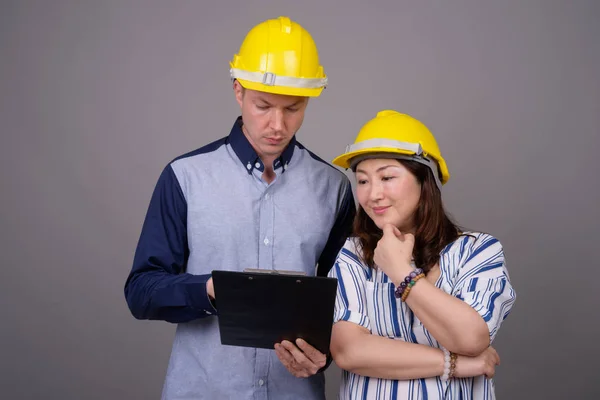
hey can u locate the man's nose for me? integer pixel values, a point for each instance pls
(277, 120)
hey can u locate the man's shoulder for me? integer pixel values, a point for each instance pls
(206, 149)
(185, 167)
(322, 166)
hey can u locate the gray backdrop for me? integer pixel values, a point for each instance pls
(97, 96)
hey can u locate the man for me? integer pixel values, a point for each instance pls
(256, 198)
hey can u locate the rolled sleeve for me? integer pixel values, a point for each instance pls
(484, 283)
(491, 298)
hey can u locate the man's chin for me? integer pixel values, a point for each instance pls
(273, 150)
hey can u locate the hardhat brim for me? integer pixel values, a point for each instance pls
(284, 90)
(344, 160)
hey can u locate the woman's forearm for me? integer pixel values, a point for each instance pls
(451, 321)
(355, 349)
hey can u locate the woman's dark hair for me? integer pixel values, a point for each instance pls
(434, 228)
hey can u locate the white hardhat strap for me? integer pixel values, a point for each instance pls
(271, 79)
(414, 148)
(420, 159)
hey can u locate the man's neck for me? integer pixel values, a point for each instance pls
(268, 174)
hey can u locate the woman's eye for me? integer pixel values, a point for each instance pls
(362, 182)
(387, 178)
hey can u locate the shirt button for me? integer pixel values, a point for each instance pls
(249, 166)
(267, 196)
(261, 382)
(266, 241)
(257, 165)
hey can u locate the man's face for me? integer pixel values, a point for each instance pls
(270, 120)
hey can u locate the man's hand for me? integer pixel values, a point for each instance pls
(210, 289)
(302, 361)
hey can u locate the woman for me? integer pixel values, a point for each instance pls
(419, 301)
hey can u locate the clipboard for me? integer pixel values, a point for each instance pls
(259, 309)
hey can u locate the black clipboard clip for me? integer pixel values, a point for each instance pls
(275, 272)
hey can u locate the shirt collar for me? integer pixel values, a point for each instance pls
(247, 155)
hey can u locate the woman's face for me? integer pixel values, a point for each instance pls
(388, 192)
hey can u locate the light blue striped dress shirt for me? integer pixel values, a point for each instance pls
(472, 269)
(211, 210)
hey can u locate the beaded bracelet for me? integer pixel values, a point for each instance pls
(411, 284)
(453, 357)
(402, 290)
(449, 364)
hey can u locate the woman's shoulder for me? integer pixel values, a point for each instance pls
(351, 247)
(351, 253)
(469, 243)
(349, 262)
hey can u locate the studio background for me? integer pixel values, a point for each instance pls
(97, 96)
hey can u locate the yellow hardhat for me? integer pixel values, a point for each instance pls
(279, 56)
(396, 135)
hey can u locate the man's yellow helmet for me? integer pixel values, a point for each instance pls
(279, 56)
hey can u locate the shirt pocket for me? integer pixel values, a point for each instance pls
(383, 309)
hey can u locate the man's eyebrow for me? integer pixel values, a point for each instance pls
(296, 103)
(266, 102)
(263, 101)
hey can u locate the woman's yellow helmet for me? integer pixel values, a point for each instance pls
(395, 135)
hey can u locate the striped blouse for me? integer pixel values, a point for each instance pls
(471, 268)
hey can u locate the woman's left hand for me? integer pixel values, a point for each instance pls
(393, 253)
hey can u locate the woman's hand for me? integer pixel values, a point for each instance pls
(483, 364)
(393, 253)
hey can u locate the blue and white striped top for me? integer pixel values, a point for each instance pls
(471, 268)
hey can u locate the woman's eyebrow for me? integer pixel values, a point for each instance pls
(380, 168)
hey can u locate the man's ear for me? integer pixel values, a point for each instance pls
(238, 90)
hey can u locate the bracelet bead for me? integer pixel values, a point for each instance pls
(449, 365)
(409, 286)
(408, 282)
